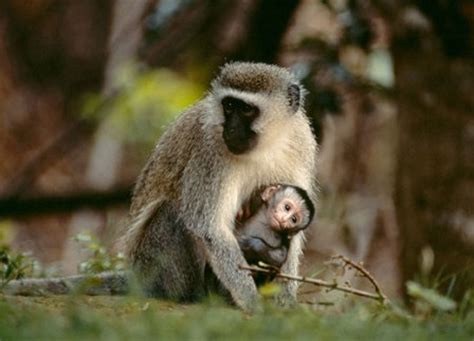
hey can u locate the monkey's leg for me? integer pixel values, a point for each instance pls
(167, 261)
(287, 296)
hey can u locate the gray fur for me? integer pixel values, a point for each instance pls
(254, 77)
(191, 188)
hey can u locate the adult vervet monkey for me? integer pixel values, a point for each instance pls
(249, 131)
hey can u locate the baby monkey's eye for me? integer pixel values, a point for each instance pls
(294, 219)
(287, 207)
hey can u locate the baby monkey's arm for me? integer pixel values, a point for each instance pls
(255, 250)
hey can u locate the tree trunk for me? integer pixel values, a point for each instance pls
(435, 178)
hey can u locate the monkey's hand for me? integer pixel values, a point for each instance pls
(256, 250)
(244, 213)
(225, 258)
(240, 215)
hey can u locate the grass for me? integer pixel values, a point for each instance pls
(77, 317)
(123, 318)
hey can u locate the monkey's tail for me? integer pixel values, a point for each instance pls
(107, 283)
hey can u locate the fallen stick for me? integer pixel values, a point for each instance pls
(319, 282)
(382, 297)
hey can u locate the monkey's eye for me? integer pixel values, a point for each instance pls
(232, 105)
(227, 104)
(287, 207)
(294, 219)
(249, 110)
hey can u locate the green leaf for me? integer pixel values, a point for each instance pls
(430, 296)
(270, 289)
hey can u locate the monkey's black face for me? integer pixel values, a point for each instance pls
(239, 115)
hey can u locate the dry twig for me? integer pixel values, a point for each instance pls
(363, 271)
(378, 296)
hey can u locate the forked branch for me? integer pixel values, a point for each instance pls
(378, 295)
(364, 273)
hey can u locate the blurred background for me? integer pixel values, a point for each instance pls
(87, 87)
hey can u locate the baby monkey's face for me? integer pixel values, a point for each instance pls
(285, 215)
(287, 211)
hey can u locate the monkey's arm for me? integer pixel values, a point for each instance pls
(106, 283)
(287, 296)
(225, 257)
(210, 218)
(256, 250)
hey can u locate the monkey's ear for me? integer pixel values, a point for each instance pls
(268, 192)
(294, 97)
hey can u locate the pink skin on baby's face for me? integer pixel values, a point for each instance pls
(286, 215)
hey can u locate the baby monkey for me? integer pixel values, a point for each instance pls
(266, 223)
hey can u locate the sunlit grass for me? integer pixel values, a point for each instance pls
(111, 318)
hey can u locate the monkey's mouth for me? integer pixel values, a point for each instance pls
(237, 148)
(275, 224)
(239, 144)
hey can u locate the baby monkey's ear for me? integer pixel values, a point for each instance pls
(268, 192)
